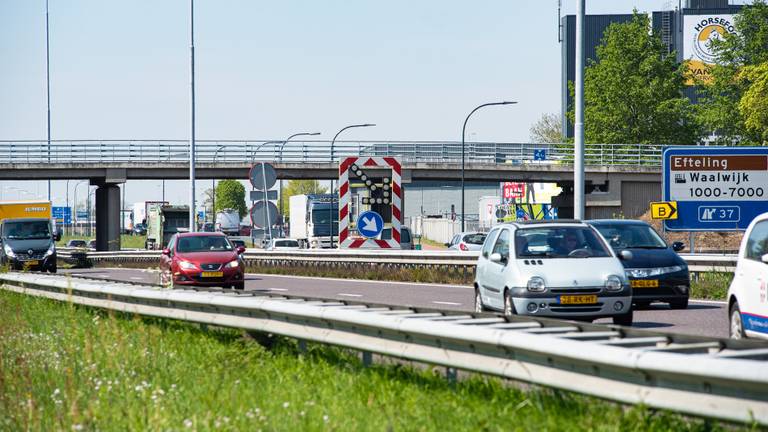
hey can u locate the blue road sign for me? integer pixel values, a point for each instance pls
(63, 215)
(716, 188)
(369, 224)
(540, 155)
(82, 214)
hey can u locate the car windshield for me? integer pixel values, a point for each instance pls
(475, 239)
(76, 243)
(559, 242)
(286, 243)
(203, 244)
(627, 236)
(27, 230)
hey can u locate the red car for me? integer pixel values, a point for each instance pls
(202, 259)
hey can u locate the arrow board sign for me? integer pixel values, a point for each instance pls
(370, 224)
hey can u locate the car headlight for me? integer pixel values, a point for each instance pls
(233, 264)
(613, 283)
(656, 271)
(8, 251)
(187, 265)
(536, 284)
(51, 250)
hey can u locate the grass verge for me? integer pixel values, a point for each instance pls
(126, 241)
(710, 286)
(66, 367)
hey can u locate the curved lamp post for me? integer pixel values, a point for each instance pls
(463, 130)
(213, 186)
(333, 142)
(280, 158)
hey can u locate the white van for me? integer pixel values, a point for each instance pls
(748, 293)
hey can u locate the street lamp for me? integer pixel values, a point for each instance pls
(75, 197)
(463, 131)
(213, 186)
(280, 156)
(333, 142)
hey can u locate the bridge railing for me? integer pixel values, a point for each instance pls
(243, 151)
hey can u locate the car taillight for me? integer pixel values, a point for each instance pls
(463, 247)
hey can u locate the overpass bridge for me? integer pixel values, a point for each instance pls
(620, 178)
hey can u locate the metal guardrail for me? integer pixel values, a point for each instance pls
(456, 259)
(707, 377)
(242, 151)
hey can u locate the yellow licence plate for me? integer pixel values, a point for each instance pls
(578, 299)
(212, 274)
(644, 283)
(31, 263)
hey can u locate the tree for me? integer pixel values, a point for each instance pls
(722, 108)
(300, 187)
(548, 129)
(208, 201)
(633, 93)
(230, 194)
(753, 105)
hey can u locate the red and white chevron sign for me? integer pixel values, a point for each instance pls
(347, 242)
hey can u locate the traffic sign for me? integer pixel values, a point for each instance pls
(664, 210)
(63, 215)
(261, 218)
(258, 195)
(370, 224)
(716, 188)
(262, 176)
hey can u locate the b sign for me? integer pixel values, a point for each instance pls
(716, 188)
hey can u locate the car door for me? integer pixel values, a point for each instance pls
(165, 260)
(482, 264)
(496, 271)
(753, 274)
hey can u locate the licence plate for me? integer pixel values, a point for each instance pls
(578, 299)
(31, 263)
(212, 274)
(644, 283)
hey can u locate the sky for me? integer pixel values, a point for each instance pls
(267, 69)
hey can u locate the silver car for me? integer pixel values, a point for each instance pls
(554, 268)
(467, 241)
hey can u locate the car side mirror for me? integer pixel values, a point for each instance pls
(240, 250)
(166, 251)
(625, 255)
(678, 246)
(57, 237)
(497, 258)
(764, 258)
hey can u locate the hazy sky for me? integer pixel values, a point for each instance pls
(265, 70)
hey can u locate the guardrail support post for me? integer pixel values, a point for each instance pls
(302, 346)
(367, 358)
(450, 375)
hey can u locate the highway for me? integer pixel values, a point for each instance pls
(703, 318)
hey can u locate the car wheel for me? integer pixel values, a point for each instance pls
(509, 306)
(642, 304)
(736, 325)
(239, 286)
(624, 319)
(679, 304)
(479, 302)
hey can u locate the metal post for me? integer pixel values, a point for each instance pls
(578, 162)
(213, 187)
(333, 142)
(463, 132)
(266, 205)
(192, 211)
(66, 206)
(280, 158)
(48, 90)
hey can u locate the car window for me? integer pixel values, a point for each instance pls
(474, 239)
(286, 243)
(405, 235)
(488, 244)
(171, 244)
(203, 244)
(757, 243)
(559, 242)
(637, 236)
(501, 246)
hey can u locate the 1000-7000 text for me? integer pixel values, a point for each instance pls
(732, 192)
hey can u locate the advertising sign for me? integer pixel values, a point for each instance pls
(513, 190)
(716, 188)
(699, 32)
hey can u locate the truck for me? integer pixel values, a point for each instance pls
(163, 221)
(313, 218)
(228, 222)
(28, 235)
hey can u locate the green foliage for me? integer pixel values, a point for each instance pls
(66, 367)
(300, 187)
(633, 92)
(230, 194)
(548, 129)
(722, 106)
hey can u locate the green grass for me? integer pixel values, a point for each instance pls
(710, 286)
(66, 367)
(430, 242)
(126, 241)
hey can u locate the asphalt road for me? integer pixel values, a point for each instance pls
(702, 318)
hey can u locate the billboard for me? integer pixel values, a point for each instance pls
(698, 33)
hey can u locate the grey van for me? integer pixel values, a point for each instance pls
(28, 244)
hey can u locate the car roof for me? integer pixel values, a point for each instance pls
(200, 234)
(544, 222)
(616, 222)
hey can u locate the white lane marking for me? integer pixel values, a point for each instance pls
(136, 278)
(276, 289)
(349, 295)
(446, 303)
(363, 281)
(717, 302)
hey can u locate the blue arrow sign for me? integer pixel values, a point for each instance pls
(370, 224)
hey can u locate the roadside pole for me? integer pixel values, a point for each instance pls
(578, 152)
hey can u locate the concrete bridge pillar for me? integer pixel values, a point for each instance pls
(108, 217)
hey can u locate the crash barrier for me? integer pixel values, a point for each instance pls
(451, 260)
(707, 377)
